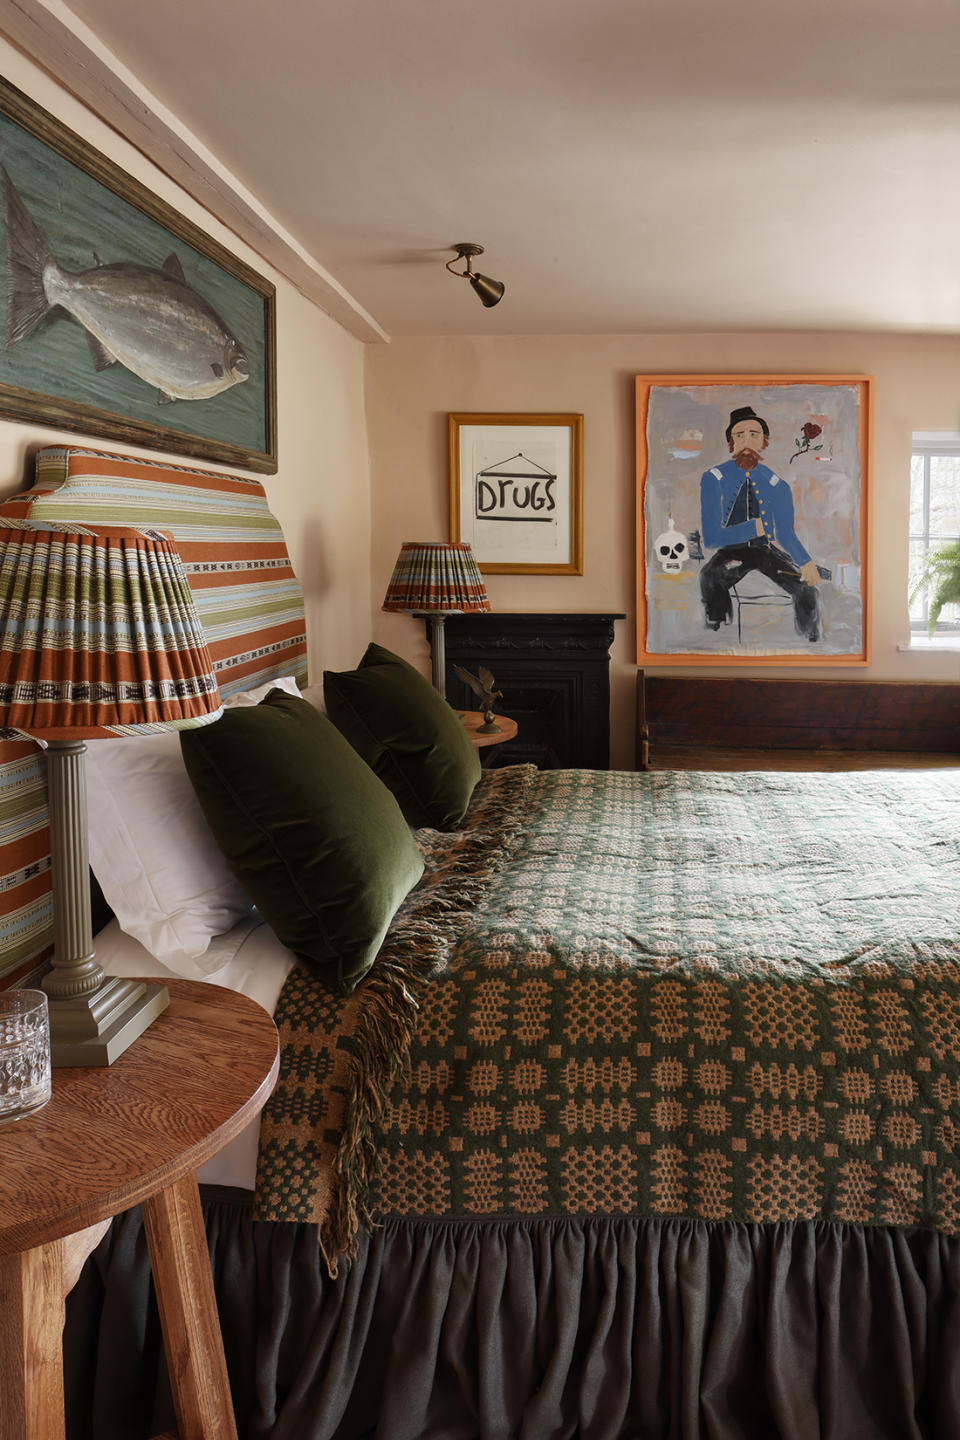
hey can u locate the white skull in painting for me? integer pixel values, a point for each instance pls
(671, 549)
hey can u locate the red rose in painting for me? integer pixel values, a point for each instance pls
(804, 441)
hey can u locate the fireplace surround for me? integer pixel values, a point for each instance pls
(554, 672)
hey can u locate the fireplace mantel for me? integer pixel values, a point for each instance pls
(554, 671)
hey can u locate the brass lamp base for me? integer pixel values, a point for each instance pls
(96, 1029)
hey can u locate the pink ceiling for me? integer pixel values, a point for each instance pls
(629, 165)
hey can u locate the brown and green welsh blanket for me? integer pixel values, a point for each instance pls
(718, 996)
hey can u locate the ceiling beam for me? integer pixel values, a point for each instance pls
(56, 39)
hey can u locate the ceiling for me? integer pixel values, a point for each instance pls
(629, 165)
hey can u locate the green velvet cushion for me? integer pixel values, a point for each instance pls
(407, 734)
(316, 840)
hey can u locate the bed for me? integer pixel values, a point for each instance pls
(643, 1119)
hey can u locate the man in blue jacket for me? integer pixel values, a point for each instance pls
(746, 517)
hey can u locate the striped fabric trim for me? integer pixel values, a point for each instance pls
(245, 592)
(23, 803)
(20, 877)
(26, 903)
(235, 567)
(52, 527)
(26, 933)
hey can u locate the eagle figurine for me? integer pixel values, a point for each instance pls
(482, 684)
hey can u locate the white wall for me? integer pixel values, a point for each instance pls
(321, 492)
(414, 383)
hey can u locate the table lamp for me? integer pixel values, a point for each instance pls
(98, 638)
(434, 580)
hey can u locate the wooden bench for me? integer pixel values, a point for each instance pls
(820, 724)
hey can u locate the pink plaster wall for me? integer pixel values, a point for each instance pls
(412, 384)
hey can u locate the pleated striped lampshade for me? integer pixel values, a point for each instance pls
(98, 635)
(430, 576)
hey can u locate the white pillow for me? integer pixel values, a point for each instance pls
(253, 697)
(312, 693)
(154, 856)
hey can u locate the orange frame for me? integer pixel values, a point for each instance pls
(731, 388)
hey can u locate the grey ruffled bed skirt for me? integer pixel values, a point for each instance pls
(589, 1329)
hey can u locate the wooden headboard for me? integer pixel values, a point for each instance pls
(687, 711)
(247, 596)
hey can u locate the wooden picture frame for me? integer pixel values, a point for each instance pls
(122, 319)
(759, 556)
(516, 491)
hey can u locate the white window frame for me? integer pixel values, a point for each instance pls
(928, 443)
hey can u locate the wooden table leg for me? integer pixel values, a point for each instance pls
(31, 1344)
(188, 1313)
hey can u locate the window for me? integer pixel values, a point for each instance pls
(934, 517)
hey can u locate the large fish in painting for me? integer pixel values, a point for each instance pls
(151, 321)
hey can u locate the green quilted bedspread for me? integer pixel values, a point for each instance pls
(730, 997)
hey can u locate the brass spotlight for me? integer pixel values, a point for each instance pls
(490, 291)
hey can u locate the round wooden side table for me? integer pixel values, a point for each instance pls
(110, 1138)
(473, 719)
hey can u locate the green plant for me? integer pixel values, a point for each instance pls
(941, 573)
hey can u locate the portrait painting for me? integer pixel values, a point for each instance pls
(752, 505)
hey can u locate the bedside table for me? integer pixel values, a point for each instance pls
(110, 1138)
(473, 719)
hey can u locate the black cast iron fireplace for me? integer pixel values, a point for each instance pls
(554, 671)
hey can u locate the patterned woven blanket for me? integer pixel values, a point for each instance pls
(721, 996)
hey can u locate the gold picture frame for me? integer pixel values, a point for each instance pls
(516, 491)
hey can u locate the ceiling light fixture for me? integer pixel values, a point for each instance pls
(490, 291)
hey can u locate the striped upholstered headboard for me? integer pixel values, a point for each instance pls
(247, 596)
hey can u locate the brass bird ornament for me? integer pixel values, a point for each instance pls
(482, 684)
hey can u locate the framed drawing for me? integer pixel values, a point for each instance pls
(121, 318)
(516, 492)
(753, 519)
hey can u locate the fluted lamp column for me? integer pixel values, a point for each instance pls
(434, 580)
(99, 638)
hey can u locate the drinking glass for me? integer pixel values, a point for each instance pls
(24, 1053)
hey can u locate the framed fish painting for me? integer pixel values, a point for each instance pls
(119, 317)
(753, 519)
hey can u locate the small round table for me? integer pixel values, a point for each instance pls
(110, 1138)
(473, 719)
